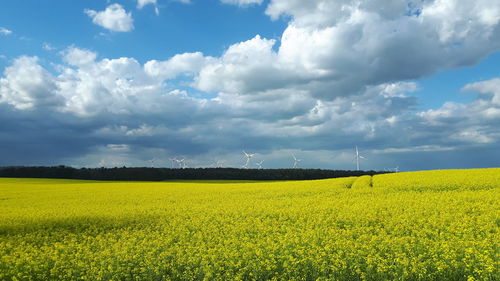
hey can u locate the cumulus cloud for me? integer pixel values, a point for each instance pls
(5, 31)
(27, 85)
(87, 87)
(110, 100)
(78, 57)
(110, 85)
(113, 18)
(489, 89)
(321, 13)
(126, 114)
(336, 48)
(187, 63)
(244, 67)
(137, 98)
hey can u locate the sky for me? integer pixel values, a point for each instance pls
(415, 84)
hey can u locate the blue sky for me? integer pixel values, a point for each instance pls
(206, 26)
(414, 84)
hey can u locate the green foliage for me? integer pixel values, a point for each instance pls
(160, 174)
(308, 230)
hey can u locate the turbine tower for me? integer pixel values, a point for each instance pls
(152, 161)
(295, 161)
(358, 156)
(173, 160)
(248, 156)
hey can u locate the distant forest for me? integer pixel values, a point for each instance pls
(161, 174)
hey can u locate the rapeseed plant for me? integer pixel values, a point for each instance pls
(437, 225)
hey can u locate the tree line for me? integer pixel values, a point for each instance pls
(161, 174)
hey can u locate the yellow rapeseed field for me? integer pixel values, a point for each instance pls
(437, 225)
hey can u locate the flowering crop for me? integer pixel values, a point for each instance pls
(406, 226)
(472, 179)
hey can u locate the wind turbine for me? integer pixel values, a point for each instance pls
(152, 161)
(180, 162)
(357, 158)
(218, 163)
(172, 160)
(248, 156)
(259, 164)
(396, 169)
(295, 161)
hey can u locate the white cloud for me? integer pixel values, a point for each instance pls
(112, 85)
(336, 48)
(179, 64)
(321, 13)
(142, 3)
(114, 18)
(86, 87)
(457, 21)
(245, 67)
(27, 85)
(452, 21)
(5, 31)
(242, 2)
(127, 107)
(78, 57)
(490, 89)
